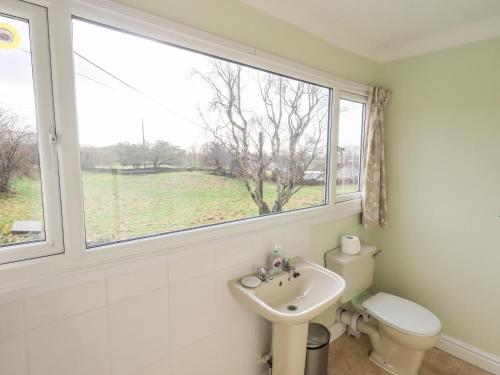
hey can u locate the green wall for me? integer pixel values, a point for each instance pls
(241, 23)
(442, 247)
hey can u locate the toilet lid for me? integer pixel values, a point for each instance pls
(403, 315)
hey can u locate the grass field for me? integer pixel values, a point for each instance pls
(24, 203)
(124, 206)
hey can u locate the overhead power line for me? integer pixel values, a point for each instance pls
(133, 88)
(126, 84)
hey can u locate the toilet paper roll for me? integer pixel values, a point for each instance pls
(350, 245)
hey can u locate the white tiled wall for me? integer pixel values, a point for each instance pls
(174, 316)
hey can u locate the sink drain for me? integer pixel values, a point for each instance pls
(291, 307)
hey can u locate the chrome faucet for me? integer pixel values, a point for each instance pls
(287, 267)
(263, 274)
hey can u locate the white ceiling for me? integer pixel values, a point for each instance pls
(384, 30)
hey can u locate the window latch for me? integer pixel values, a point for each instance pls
(52, 136)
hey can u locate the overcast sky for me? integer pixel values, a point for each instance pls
(16, 83)
(109, 111)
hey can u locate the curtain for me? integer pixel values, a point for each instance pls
(374, 188)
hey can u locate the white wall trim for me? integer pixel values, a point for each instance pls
(470, 354)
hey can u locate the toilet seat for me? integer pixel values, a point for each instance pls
(403, 315)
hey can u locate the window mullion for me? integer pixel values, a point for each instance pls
(67, 133)
(335, 110)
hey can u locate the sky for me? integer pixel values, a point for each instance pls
(16, 82)
(150, 83)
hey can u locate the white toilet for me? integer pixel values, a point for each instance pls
(400, 331)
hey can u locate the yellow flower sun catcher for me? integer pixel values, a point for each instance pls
(9, 37)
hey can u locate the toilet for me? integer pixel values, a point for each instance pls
(400, 331)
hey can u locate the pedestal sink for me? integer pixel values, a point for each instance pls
(290, 303)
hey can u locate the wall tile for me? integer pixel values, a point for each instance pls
(235, 350)
(13, 356)
(137, 282)
(193, 326)
(53, 306)
(11, 319)
(161, 367)
(76, 346)
(229, 310)
(191, 263)
(293, 242)
(139, 331)
(196, 359)
(262, 244)
(192, 310)
(232, 252)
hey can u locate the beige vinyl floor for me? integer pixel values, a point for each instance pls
(349, 356)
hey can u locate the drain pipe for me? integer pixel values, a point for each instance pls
(357, 323)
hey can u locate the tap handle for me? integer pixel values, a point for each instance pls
(286, 264)
(262, 273)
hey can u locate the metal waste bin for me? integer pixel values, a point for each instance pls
(318, 340)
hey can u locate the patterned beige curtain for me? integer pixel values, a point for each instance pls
(374, 191)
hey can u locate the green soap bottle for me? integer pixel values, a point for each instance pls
(276, 262)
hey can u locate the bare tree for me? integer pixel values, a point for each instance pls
(234, 128)
(295, 112)
(162, 152)
(129, 154)
(18, 151)
(215, 157)
(283, 135)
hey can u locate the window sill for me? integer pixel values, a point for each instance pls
(32, 276)
(348, 197)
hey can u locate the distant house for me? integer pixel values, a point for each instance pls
(314, 176)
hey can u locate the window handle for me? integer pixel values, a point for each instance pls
(52, 136)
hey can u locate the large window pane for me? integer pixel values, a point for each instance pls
(171, 139)
(351, 119)
(21, 209)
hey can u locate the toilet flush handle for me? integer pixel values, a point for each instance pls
(376, 253)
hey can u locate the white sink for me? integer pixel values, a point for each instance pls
(290, 303)
(311, 293)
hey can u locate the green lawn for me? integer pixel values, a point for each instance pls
(24, 203)
(124, 206)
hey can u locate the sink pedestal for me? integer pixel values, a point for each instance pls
(291, 303)
(289, 346)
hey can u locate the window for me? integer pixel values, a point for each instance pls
(350, 139)
(172, 139)
(144, 128)
(29, 199)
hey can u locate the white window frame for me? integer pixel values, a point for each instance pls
(76, 257)
(42, 86)
(364, 100)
